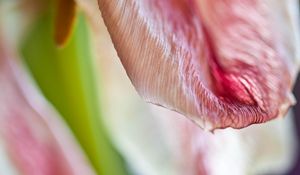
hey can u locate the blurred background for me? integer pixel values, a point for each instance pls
(67, 107)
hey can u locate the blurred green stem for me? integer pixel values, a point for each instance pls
(66, 78)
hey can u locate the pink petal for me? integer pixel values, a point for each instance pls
(159, 142)
(36, 139)
(220, 63)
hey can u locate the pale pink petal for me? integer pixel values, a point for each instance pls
(157, 141)
(221, 63)
(36, 139)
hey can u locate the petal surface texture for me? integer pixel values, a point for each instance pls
(157, 141)
(220, 63)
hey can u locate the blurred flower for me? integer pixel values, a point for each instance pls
(35, 138)
(65, 77)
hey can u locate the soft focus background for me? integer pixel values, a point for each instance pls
(71, 109)
(296, 167)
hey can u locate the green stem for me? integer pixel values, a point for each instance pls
(66, 78)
